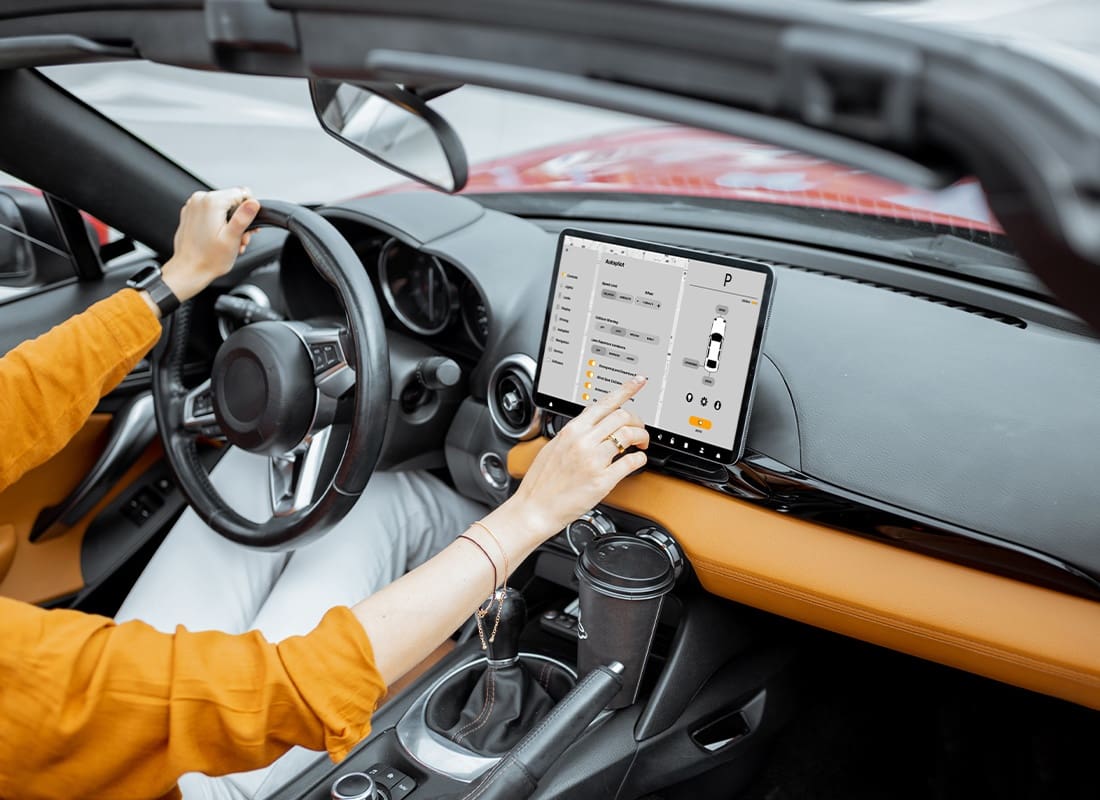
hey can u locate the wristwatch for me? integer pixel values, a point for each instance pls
(148, 279)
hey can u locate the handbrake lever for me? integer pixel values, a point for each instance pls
(517, 775)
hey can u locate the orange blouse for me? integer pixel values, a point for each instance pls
(93, 709)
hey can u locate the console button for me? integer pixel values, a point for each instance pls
(402, 788)
(354, 786)
(699, 422)
(390, 777)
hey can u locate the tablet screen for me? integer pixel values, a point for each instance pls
(691, 322)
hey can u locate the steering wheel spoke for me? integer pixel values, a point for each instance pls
(198, 411)
(295, 476)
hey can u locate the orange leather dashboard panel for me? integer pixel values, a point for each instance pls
(50, 569)
(1021, 634)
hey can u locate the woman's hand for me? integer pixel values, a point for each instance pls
(581, 465)
(206, 245)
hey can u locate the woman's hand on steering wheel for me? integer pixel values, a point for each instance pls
(208, 240)
(310, 395)
(583, 463)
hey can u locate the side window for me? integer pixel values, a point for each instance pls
(32, 251)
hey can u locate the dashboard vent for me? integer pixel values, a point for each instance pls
(512, 397)
(996, 316)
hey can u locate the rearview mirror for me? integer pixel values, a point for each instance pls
(394, 127)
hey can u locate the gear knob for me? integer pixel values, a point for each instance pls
(503, 650)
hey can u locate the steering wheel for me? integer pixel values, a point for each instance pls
(287, 390)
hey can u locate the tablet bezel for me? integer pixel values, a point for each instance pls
(663, 438)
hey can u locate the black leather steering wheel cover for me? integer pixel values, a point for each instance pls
(338, 264)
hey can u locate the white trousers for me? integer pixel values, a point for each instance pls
(202, 581)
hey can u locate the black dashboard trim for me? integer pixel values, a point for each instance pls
(771, 484)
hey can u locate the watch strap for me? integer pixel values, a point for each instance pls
(149, 279)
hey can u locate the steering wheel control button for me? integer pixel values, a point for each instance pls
(317, 353)
(354, 786)
(203, 405)
(263, 388)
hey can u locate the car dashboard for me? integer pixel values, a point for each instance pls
(919, 456)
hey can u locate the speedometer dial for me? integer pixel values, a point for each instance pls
(475, 314)
(416, 288)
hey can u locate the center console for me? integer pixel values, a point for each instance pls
(663, 684)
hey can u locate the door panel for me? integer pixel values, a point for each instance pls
(43, 571)
(32, 314)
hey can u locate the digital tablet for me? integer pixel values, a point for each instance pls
(691, 322)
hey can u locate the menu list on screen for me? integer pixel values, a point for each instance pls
(688, 325)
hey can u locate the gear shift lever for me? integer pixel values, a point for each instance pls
(503, 650)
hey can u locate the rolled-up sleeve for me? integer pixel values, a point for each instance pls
(93, 709)
(49, 385)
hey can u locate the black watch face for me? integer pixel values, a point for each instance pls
(143, 276)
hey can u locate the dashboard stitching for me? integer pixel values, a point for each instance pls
(794, 405)
(944, 637)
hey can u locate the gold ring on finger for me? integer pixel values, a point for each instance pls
(611, 437)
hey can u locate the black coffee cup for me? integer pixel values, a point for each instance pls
(623, 581)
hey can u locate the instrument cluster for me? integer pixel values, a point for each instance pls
(420, 293)
(429, 296)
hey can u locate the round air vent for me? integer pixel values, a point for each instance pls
(512, 397)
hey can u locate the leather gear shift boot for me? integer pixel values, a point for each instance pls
(491, 706)
(488, 710)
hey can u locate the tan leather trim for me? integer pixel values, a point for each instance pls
(1021, 634)
(47, 570)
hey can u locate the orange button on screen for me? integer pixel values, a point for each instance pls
(699, 422)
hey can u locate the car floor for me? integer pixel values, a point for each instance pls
(877, 724)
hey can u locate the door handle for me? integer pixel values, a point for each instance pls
(131, 431)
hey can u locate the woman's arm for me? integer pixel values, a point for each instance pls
(92, 709)
(49, 385)
(122, 710)
(577, 469)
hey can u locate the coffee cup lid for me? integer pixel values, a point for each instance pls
(626, 567)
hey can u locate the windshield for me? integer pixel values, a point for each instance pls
(262, 133)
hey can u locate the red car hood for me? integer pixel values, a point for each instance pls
(672, 160)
